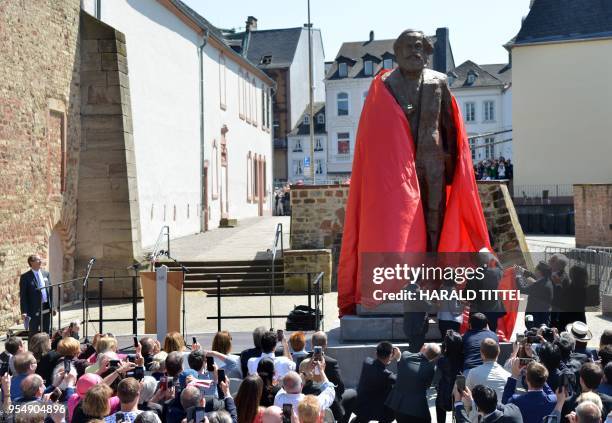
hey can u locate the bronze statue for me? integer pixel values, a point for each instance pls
(425, 98)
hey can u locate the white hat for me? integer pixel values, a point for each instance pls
(579, 330)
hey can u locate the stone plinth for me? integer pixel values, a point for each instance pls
(593, 208)
(311, 261)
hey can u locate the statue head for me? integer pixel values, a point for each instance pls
(412, 48)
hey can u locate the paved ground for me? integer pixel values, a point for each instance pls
(252, 238)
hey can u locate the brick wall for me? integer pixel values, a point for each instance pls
(317, 220)
(39, 137)
(593, 208)
(311, 261)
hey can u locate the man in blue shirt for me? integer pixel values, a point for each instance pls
(472, 339)
(539, 401)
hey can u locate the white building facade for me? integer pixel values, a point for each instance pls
(484, 95)
(299, 160)
(201, 119)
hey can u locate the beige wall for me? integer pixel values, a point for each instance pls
(562, 113)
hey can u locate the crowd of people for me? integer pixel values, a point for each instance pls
(494, 169)
(282, 201)
(551, 376)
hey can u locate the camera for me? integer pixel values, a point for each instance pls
(114, 364)
(131, 358)
(137, 373)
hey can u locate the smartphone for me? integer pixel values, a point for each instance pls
(520, 338)
(460, 382)
(131, 358)
(199, 414)
(137, 373)
(564, 381)
(525, 361)
(163, 383)
(220, 378)
(533, 339)
(119, 417)
(67, 365)
(55, 395)
(195, 341)
(136, 343)
(318, 353)
(114, 364)
(287, 412)
(280, 335)
(210, 362)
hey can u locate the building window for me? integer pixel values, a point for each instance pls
(245, 98)
(318, 144)
(342, 100)
(306, 119)
(268, 102)
(344, 143)
(489, 148)
(263, 107)
(222, 85)
(472, 143)
(298, 169)
(489, 111)
(342, 70)
(470, 112)
(248, 95)
(256, 177)
(297, 146)
(249, 174)
(319, 166)
(388, 63)
(368, 68)
(321, 119)
(254, 102)
(471, 78)
(240, 95)
(214, 179)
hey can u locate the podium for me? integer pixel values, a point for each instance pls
(162, 301)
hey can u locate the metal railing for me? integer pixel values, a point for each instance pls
(543, 192)
(314, 287)
(164, 232)
(58, 306)
(278, 237)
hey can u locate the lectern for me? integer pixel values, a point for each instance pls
(162, 301)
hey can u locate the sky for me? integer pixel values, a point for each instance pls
(477, 28)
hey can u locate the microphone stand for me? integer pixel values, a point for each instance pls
(85, 298)
(184, 270)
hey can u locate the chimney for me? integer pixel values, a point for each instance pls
(251, 24)
(440, 62)
(371, 36)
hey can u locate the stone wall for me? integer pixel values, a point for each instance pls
(312, 261)
(502, 221)
(317, 220)
(593, 208)
(39, 139)
(109, 222)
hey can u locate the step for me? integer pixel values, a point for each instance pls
(223, 263)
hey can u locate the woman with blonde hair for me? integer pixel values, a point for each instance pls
(95, 405)
(174, 342)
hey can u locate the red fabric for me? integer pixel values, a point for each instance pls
(384, 213)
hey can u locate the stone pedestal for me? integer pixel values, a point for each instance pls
(307, 261)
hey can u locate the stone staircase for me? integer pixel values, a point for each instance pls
(238, 277)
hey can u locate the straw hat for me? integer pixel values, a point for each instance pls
(579, 330)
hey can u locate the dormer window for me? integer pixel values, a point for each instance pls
(368, 68)
(388, 63)
(266, 60)
(342, 70)
(321, 119)
(471, 77)
(306, 120)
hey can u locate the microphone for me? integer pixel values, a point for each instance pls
(92, 260)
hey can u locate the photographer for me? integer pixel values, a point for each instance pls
(539, 291)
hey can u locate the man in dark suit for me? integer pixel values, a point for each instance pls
(375, 384)
(252, 352)
(493, 309)
(539, 292)
(415, 372)
(473, 338)
(332, 371)
(489, 411)
(32, 297)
